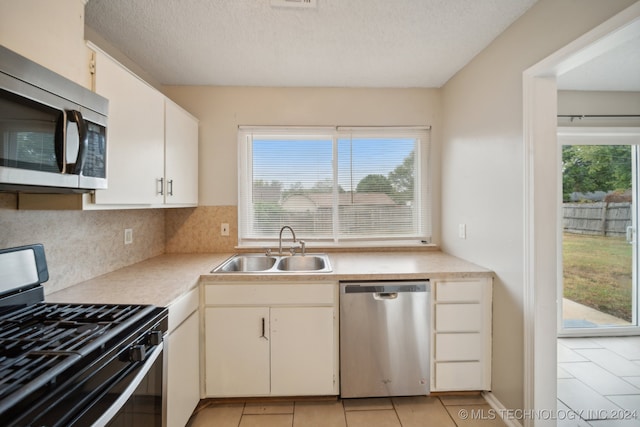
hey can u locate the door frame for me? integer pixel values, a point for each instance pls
(588, 135)
(540, 191)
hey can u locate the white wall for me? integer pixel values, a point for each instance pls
(573, 102)
(221, 109)
(482, 165)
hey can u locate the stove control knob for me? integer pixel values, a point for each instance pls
(137, 353)
(155, 337)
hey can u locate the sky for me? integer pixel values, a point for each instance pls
(310, 161)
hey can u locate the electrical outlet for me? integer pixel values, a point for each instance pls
(224, 229)
(128, 236)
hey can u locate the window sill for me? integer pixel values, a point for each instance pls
(342, 247)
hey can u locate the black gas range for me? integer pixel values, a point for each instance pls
(75, 364)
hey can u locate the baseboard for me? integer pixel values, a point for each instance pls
(501, 410)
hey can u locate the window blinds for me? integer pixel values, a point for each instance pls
(334, 184)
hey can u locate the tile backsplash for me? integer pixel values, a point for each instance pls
(197, 230)
(80, 245)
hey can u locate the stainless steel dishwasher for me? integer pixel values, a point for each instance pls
(384, 338)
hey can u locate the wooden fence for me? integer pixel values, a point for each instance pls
(601, 218)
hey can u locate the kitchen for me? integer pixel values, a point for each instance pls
(464, 130)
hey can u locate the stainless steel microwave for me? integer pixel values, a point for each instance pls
(52, 130)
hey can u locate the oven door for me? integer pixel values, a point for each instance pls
(134, 401)
(121, 392)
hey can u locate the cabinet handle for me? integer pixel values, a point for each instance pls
(170, 187)
(161, 186)
(263, 331)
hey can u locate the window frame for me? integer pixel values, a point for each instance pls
(422, 179)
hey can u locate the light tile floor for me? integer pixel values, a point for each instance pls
(599, 382)
(418, 411)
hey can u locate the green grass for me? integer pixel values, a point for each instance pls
(597, 273)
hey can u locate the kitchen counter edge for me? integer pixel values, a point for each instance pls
(162, 280)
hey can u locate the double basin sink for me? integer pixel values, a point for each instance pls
(261, 263)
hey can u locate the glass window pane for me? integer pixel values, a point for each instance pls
(334, 185)
(377, 181)
(292, 185)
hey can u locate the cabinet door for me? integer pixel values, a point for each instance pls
(181, 156)
(135, 135)
(237, 351)
(303, 357)
(183, 371)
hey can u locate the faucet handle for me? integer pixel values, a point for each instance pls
(267, 251)
(292, 250)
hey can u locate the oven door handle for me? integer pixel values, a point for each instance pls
(131, 388)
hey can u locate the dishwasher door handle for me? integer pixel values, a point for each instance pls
(384, 288)
(385, 295)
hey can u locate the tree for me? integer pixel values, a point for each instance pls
(588, 168)
(325, 186)
(402, 179)
(266, 192)
(375, 183)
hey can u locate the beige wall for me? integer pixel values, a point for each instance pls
(482, 165)
(573, 102)
(49, 33)
(222, 109)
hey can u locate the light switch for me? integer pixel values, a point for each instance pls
(224, 229)
(462, 231)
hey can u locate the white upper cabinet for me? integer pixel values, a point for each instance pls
(135, 136)
(152, 143)
(152, 148)
(181, 156)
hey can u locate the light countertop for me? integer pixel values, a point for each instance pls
(158, 281)
(163, 279)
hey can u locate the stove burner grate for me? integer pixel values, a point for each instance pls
(39, 341)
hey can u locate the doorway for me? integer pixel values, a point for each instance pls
(598, 280)
(541, 187)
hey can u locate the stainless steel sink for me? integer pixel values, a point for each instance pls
(303, 263)
(259, 263)
(246, 264)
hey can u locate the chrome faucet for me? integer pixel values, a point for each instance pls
(280, 240)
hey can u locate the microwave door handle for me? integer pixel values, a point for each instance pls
(76, 117)
(59, 144)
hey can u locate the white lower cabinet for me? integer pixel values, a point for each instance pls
(237, 354)
(183, 359)
(461, 335)
(302, 351)
(285, 348)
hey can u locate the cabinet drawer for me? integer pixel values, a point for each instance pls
(458, 376)
(458, 346)
(459, 291)
(277, 294)
(182, 308)
(458, 317)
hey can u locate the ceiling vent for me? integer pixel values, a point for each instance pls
(304, 4)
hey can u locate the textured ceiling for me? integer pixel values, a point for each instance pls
(340, 43)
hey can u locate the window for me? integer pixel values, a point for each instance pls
(334, 185)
